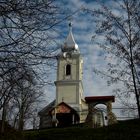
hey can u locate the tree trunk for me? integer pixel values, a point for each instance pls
(3, 118)
(131, 59)
(21, 119)
(134, 79)
(135, 89)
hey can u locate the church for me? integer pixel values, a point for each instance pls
(70, 106)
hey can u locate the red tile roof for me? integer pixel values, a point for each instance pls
(99, 98)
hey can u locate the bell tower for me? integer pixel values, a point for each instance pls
(69, 87)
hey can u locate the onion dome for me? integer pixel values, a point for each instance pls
(70, 44)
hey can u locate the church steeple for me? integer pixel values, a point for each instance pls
(70, 44)
(69, 87)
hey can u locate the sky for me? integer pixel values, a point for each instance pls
(83, 27)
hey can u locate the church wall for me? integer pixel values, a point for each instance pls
(60, 74)
(45, 121)
(66, 93)
(81, 69)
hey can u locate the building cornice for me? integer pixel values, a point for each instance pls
(67, 82)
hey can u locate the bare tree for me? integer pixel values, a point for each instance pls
(26, 105)
(7, 85)
(26, 30)
(121, 33)
(22, 95)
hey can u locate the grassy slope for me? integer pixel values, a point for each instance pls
(126, 130)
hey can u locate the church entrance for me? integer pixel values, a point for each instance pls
(67, 119)
(64, 119)
(65, 115)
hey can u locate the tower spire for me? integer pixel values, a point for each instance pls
(70, 26)
(70, 43)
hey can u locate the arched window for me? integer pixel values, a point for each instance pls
(68, 69)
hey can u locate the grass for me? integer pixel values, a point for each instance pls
(11, 135)
(126, 130)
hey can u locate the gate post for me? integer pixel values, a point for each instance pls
(110, 115)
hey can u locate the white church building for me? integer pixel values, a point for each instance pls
(70, 106)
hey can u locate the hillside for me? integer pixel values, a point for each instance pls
(125, 130)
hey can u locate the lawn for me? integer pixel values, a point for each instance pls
(125, 130)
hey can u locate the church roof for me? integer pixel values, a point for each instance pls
(51, 106)
(99, 98)
(70, 43)
(47, 108)
(65, 104)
